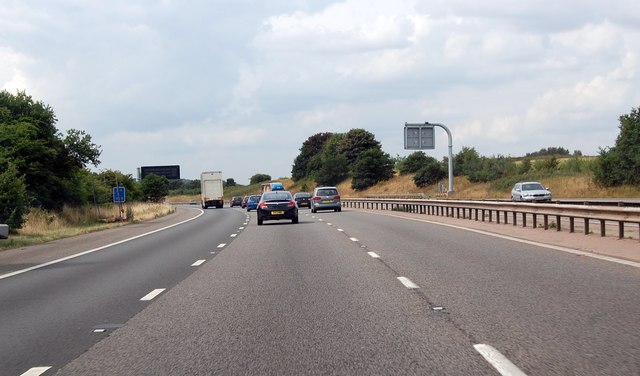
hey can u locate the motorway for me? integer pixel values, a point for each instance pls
(338, 293)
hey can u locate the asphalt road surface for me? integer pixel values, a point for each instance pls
(339, 293)
(51, 315)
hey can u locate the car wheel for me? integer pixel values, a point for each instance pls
(294, 220)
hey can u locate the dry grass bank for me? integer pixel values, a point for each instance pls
(41, 226)
(561, 187)
(578, 186)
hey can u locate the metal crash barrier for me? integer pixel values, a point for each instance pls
(576, 217)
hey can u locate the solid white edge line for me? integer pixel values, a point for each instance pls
(373, 254)
(36, 371)
(550, 246)
(498, 361)
(198, 263)
(98, 249)
(152, 295)
(408, 283)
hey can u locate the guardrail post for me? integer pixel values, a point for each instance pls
(586, 226)
(524, 219)
(546, 221)
(572, 223)
(620, 229)
(515, 218)
(535, 220)
(558, 221)
(602, 229)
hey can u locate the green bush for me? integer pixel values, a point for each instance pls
(371, 166)
(430, 173)
(13, 197)
(413, 162)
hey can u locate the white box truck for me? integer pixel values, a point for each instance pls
(211, 189)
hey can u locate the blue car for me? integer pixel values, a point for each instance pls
(252, 203)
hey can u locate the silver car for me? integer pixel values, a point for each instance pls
(530, 191)
(325, 198)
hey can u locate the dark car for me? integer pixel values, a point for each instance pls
(326, 198)
(276, 205)
(244, 201)
(236, 201)
(302, 199)
(252, 203)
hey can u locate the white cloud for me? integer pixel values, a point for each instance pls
(232, 83)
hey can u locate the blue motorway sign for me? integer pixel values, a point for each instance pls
(119, 195)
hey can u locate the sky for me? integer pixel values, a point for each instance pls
(238, 86)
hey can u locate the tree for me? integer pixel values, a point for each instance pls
(430, 173)
(493, 168)
(546, 164)
(413, 162)
(80, 148)
(230, 182)
(310, 147)
(525, 166)
(333, 167)
(154, 187)
(13, 197)
(111, 178)
(355, 142)
(259, 178)
(466, 162)
(50, 164)
(621, 164)
(551, 151)
(372, 166)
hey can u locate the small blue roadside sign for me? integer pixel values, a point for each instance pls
(118, 195)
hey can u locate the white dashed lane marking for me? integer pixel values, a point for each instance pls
(36, 371)
(373, 254)
(234, 235)
(354, 239)
(408, 283)
(222, 245)
(498, 361)
(152, 295)
(198, 263)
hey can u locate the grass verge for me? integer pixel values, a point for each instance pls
(42, 226)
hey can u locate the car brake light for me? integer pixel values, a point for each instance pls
(263, 205)
(291, 203)
(317, 198)
(336, 197)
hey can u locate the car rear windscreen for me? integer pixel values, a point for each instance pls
(277, 197)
